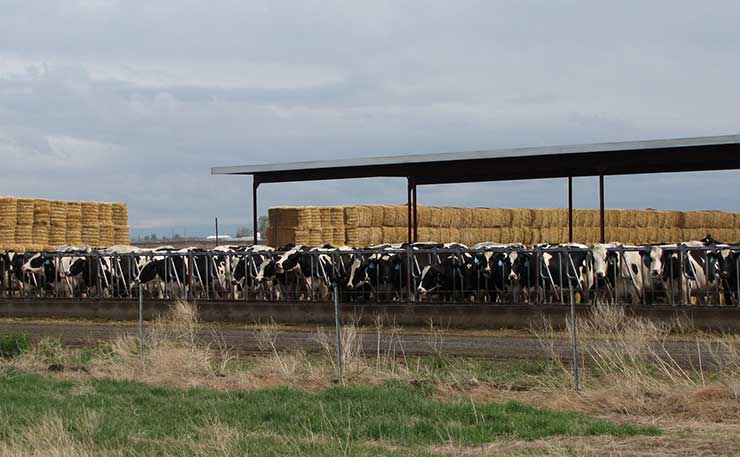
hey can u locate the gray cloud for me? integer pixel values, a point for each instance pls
(135, 101)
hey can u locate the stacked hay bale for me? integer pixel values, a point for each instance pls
(24, 225)
(41, 224)
(90, 224)
(57, 223)
(366, 225)
(8, 222)
(74, 223)
(106, 226)
(38, 224)
(121, 230)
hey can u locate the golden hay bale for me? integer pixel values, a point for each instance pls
(24, 212)
(41, 212)
(73, 234)
(436, 217)
(120, 213)
(549, 234)
(712, 219)
(363, 236)
(456, 217)
(107, 236)
(325, 217)
(121, 234)
(327, 235)
(426, 234)
(477, 217)
(502, 235)
(725, 219)
(377, 215)
(627, 218)
(499, 217)
(105, 213)
(91, 235)
(468, 236)
(396, 215)
(314, 237)
(586, 217)
(693, 220)
(58, 213)
(338, 236)
(736, 224)
(673, 219)
(725, 235)
(90, 213)
(652, 219)
(557, 217)
(445, 217)
(337, 217)
(612, 217)
(24, 234)
(465, 218)
(455, 235)
(641, 218)
(521, 217)
(424, 215)
(539, 217)
(40, 234)
(364, 216)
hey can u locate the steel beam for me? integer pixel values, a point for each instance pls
(255, 185)
(602, 218)
(409, 221)
(570, 209)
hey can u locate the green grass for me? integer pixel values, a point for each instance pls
(146, 420)
(13, 345)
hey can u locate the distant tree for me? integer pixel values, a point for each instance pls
(243, 232)
(263, 224)
(153, 237)
(176, 236)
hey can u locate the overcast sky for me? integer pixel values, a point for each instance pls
(136, 100)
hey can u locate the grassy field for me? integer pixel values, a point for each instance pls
(181, 396)
(103, 417)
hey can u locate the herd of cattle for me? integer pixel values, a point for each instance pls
(704, 271)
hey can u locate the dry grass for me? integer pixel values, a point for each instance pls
(627, 369)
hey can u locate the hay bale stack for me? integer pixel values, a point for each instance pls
(121, 230)
(8, 222)
(24, 223)
(41, 223)
(90, 223)
(74, 223)
(57, 223)
(106, 225)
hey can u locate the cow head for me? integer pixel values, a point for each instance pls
(601, 258)
(657, 255)
(35, 264)
(431, 279)
(358, 271)
(289, 260)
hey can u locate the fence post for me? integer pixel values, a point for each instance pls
(337, 319)
(574, 337)
(141, 317)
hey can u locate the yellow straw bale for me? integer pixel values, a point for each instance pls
(612, 217)
(466, 217)
(377, 215)
(693, 219)
(25, 212)
(327, 236)
(105, 213)
(338, 236)
(325, 217)
(521, 217)
(121, 234)
(725, 219)
(455, 235)
(91, 235)
(337, 217)
(627, 218)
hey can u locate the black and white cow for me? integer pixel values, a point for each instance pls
(383, 274)
(686, 275)
(728, 265)
(166, 269)
(249, 263)
(455, 275)
(621, 273)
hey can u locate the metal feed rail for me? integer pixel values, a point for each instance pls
(210, 275)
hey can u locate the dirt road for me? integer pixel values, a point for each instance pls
(244, 340)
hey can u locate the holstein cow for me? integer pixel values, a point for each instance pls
(166, 268)
(382, 274)
(48, 272)
(620, 273)
(728, 265)
(685, 275)
(454, 275)
(250, 262)
(552, 271)
(497, 271)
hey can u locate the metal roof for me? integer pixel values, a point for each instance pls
(630, 157)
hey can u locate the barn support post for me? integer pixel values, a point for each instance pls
(416, 220)
(602, 218)
(255, 185)
(409, 224)
(570, 209)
